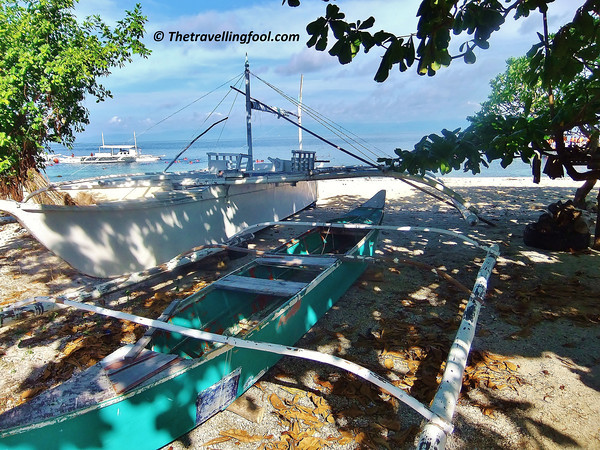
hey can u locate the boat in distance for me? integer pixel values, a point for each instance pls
(148, 394)
(108, 154)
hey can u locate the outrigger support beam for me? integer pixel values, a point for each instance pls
(30, 306)
(283, 350)
(494, 250)
(439, 415)
(445, 400)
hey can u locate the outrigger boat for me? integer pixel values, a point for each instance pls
(206, 350)
(110, 154)
(111, 226)
(139, 397)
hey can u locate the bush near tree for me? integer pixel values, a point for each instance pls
(49, 63)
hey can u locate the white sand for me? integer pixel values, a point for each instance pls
(534, 314)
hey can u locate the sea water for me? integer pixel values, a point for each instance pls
(195, 158)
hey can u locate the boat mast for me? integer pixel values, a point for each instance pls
(300, 115)
(248, 114)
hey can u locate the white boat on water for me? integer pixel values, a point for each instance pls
(110, 226)
(109, 154)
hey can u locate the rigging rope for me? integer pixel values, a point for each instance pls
(239, 81)
(338, 130)
(346, 135)
(190, 104)
(239, 77)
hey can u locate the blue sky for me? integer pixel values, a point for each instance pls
(404, 108)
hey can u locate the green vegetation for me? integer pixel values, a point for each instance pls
(429, 45)
(49, 62)
(542, 99)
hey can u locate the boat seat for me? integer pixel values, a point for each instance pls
(125, 375)
(297, 260)
(281, 288)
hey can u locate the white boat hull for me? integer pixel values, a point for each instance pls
(116, 238)
(105, 160)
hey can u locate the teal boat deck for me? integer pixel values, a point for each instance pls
(147, 395)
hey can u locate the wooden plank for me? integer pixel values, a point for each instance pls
(297, 260)
(115, 364)
(129, 376)
(147, 337)
(280, 288)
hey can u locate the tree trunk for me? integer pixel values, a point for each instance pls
(582, 193)
(596, 244)
(11, 184)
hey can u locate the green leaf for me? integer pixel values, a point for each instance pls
(333, 12)
(343, 50)
(321, 44)
(395, 52)
(470, 57)
(483, 44)
(383, 71)
(312, 41)
(316, 26)
(339, 28)
(507, 160)
(409, 54)
(367, 23)
(367, 41)
(382, 36)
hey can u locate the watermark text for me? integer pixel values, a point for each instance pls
(226, 36)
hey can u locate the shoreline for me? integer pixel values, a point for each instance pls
(542, 318)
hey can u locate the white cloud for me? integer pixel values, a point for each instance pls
(306, 61)
(147, 91)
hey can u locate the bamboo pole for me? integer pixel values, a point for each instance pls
(25, 308)
(446, 397)
(283, 350)
(358, 226)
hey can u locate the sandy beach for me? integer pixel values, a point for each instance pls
(533, 380)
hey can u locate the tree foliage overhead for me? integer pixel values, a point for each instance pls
(552, 92)
(429, 45)
(49, 62)
(510, 96)
(561, 72)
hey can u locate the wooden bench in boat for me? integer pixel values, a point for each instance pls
(281, 288)
(127, 374)
(297, 260)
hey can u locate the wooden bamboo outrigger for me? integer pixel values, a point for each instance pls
(438, 415)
